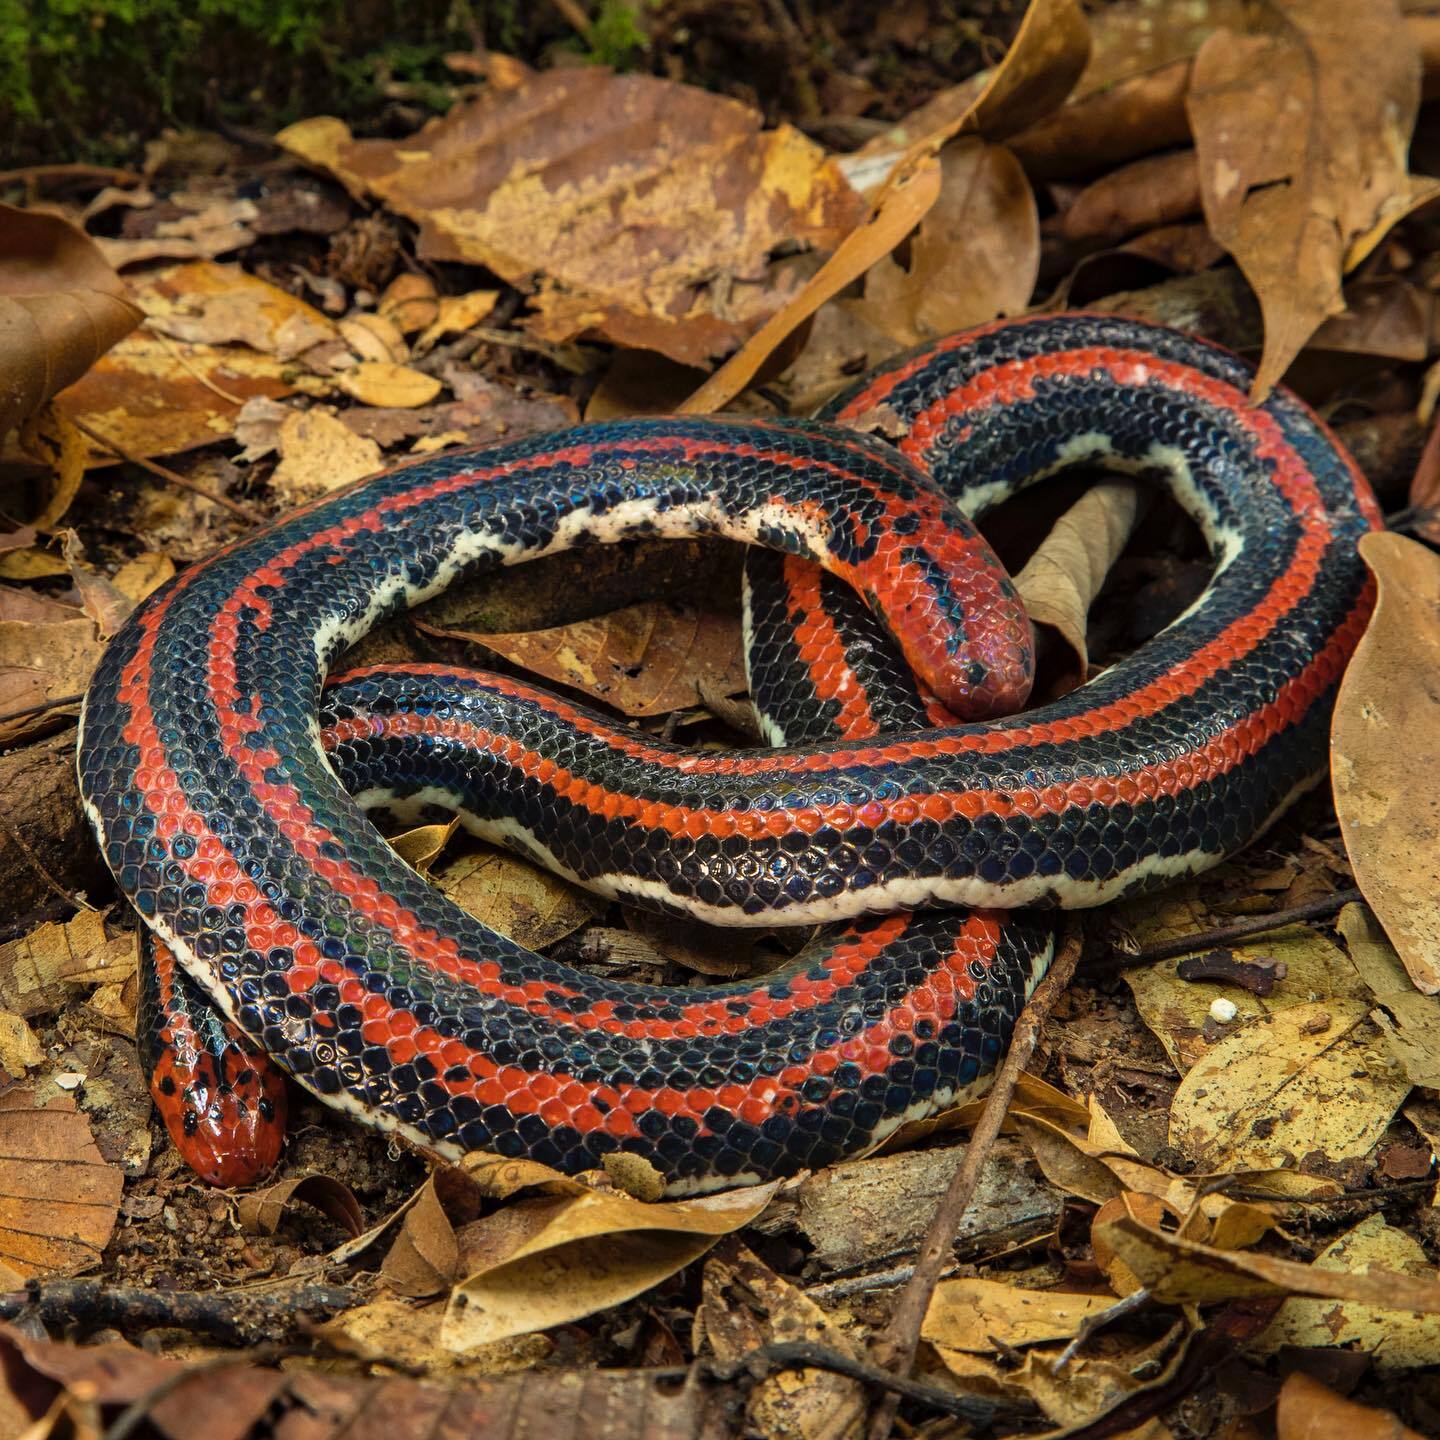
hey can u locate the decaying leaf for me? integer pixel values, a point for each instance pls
(1300, 963)
(624, 196)
(1393, 1340)
(529, 905)
(974, 257)
(262, 1211)
(972, 1314)
(41, 970)
(1302, 137)
(646, 659)
(382, 383)
(1385, 754)
(61, 308)
(1310, 1078)
(40, 663)
(745, 1305)
(58, 1198)
(317, 454)
(1409, 1018)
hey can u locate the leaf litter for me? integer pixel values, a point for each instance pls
(1250, 1124)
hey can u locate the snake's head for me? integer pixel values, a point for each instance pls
(225, 1112)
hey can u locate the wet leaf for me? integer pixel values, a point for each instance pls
(624, 196)
(1384, 754)
(1394, 1340)
(1301, 137)
(646, 659)
(58, 1197)
(61, 308)
(1309, 1411)
(1313, 1077)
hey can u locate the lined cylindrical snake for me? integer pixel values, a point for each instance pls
(228, 788)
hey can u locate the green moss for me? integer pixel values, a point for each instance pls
(94, 78)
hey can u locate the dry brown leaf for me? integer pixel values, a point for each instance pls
(1158, 190)
(153, 395)
(319, 454)
(40, 663)
(1135, 37)
(646, 659)
(1062, 578)
(1179, 1011)
(974, 257)
(1301, 137)
(1307, 1410)
(380, 383)
(410, 303)
(457, 314)
(1310, 1078)
(375, 337)
(261, 1211)
(50, 437)
(19, 1049)
(1177, 1271)
(58, 1197)
(40, 971)
(424, 1258)
(972, 1314)
(745, 1305)
(421, 847)
(180, 1399)
(554, 1259)
(225, 305)
(1394, 1341)
(529, 905)
(627, 196)
(61, 308)
(1385, 753)
(899, 211)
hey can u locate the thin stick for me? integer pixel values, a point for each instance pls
(41, 708)
(251, 517)
(896, 1348)
(1321, 908)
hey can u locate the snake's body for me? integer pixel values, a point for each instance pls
(204, 738)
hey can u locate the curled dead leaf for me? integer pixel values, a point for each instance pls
(1308, 1410)
(61, 308)
(261, 1211)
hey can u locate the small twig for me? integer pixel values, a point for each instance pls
(186, 364)
(71, 172)
(234, 1317)
(807, 1354)
(251, 517)
(38, 866)
(1321, 908)
(42, 707)
(896, 1348)
(1138, 1300)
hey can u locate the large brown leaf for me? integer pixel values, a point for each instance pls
(1302, 137)
(61, 308)
(644, 210)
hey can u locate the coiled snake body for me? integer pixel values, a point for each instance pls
(205, 736)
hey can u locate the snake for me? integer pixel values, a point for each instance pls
(904, 801)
